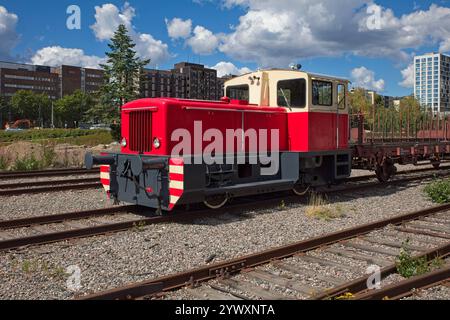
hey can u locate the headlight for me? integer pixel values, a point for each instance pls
(123, 143)
(156, 143)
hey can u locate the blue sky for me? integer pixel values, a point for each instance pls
(323, 36)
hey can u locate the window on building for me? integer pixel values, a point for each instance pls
(241, 92)
(322, 93)
(292, 93)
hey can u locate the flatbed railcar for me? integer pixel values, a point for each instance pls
(290, 130)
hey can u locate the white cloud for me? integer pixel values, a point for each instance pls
(233, 3)
(365, 78)
(276, 32)
(203, 42)
(108, 17)
(8, 35)
(179, 28)
(408, 77)
(56, 56)
(226, 68)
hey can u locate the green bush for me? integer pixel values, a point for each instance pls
(45, 134)
(439, 191)
(49, 155)
(3, 163)
(28, 164)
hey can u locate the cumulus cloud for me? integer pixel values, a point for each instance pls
(408, 77)
(226, 68)
(108, 17)
(56, 56)
(8, 35)
(179, 28)
(203, 41)
(276, 32)
(365, 78)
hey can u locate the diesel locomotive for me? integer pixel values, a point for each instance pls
(275, 130)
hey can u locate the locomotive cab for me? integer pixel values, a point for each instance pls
(316, 105)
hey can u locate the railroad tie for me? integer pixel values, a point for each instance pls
(254, 290)
(359, 256)
(281, 281)
(203, 293)
(310, 273)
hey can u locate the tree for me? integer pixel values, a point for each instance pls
(72, 108)
(360, 102)
(32, 106)
(4, 109)
(123, 76)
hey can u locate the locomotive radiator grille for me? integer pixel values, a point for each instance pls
(141, 131)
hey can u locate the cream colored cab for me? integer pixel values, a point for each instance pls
(297, 91)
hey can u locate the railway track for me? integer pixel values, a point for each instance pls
(143, 216)
(11, 189)
(14, 189)
(46, 173)
(302, 270)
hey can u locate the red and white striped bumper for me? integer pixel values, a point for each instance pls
(105, 178)
(176, 181)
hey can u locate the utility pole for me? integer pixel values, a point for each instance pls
(40, 116)
(53, 123)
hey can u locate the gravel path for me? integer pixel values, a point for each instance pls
(23, 206)
(436, 293)
(114, 260)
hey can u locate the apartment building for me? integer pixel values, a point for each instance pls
(39, 79)
(54, 82)
(432, 81)
(186, 80)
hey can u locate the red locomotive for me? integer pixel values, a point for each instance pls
(276, 130)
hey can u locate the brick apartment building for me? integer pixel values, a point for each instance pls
(185, 80)
(39, 79)
(76, 78)
(54, 82)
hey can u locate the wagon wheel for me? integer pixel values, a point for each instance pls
(216, 202)
(436, 164)
(385, 172)
(301, 189)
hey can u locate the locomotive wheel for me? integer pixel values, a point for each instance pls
(216, 202)
(301, 189)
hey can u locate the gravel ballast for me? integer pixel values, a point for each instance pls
(109, 261)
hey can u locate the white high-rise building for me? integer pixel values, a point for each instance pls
(432, 81)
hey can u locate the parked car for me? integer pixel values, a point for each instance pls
(85, 126)
(100, 127)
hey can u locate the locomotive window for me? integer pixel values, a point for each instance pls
(322, 93)
(292, 93)
(238, 92)
(341, 96)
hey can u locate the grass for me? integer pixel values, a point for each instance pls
(31, 163)
(35, 266)
(139, 226)
(4, 163)
(439, 191)
(45, 134)
(409, 266)
(319, 208)
(27, 164)
(58, 136)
